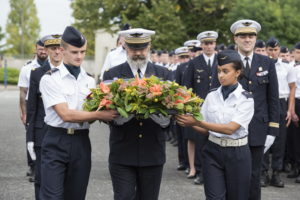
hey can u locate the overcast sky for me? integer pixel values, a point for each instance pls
(54, 15)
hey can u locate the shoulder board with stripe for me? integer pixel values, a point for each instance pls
(213, 89)
(247, 94)
(51, 71)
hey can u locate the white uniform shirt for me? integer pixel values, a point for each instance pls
(24, 76)
(114, 58)
(134, 70)
(61, 87)
(236, 108)
(211, 58)
(285, 75)
(297, 72)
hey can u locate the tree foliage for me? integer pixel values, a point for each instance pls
(178, 20)
(22, 27)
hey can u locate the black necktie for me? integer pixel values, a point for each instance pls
(139, 73)
(208, 63)
(247, 68)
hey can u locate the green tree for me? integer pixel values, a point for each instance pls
(1, 38)
(162, 17)
(22, 27)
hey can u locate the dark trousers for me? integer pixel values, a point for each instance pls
(278, 148)
(256, 161)
(296, 136)
(226, 172)
(199, 145)
(65, 165)
(182, 147)
(37, 182)
(135, 183)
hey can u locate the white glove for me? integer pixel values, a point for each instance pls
(160, 119)
(122, 120)
(30, 149)
(269, 141)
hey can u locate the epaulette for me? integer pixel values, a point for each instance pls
(33, 69)
(213, 89)
(28, 62)
(89, 74)
(51, 71)
(247, 94)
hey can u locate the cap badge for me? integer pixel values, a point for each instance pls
(260, 69)
(247, 23)
(136, 34)
(208, 34)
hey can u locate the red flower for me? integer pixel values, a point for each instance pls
(155, 90)
(104, 103)
(104, 88)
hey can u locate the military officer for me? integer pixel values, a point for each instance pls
(260, 47)
(66, 148)
(260, 80)
(183, 57)
(286, 85)
(137, 146)
(198, 76)
(294, 129)
(284, 54)
(227, 112)
(23, 85)
(36, 127)
(191, 44)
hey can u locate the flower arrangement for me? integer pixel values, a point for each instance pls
(143, 97)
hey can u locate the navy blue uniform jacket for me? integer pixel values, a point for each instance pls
(35, 107)
(138, 142)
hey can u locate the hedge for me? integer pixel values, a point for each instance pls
(12, 75)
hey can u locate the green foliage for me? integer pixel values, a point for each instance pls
(12, 75)
(179, 20)
(22, 27)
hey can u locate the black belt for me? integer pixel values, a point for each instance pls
(69, 131)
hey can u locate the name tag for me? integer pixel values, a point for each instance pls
(263, 73)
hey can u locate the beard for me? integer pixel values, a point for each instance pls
(138, 61)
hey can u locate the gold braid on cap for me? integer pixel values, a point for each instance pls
(245, 30)
(52, 42)
(137, 40)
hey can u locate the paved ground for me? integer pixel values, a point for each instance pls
(15, 186)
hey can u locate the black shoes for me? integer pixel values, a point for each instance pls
(276, 181)
(30, 171)
(181, 167)
(264, 179)
(293, 174)
(199, 180)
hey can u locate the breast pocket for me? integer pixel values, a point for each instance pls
(262, 79)
(69, 96)
(212, 114)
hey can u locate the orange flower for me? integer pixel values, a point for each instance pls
(104, 88)
(155, 90)
(185, 99)
(104, 102)
(138, 82)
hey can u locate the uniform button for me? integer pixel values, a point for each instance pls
(209, 77)
(250, 92)
(140, 135)
(141, 123)
(198, 81)
(210, 84)
(198, 76)
(250, 82)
